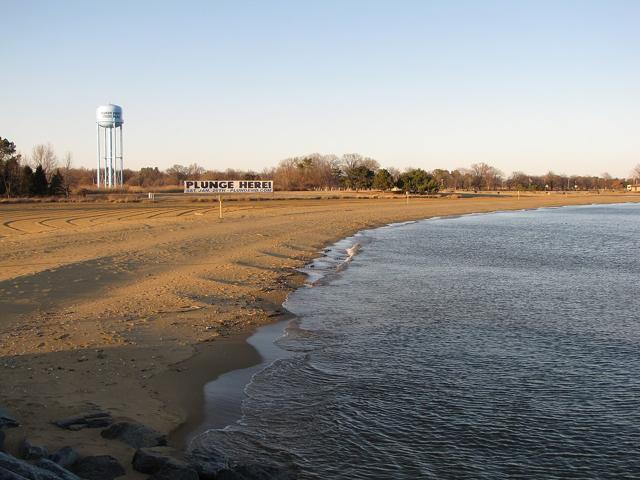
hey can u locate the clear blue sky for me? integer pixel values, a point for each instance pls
(531, 86)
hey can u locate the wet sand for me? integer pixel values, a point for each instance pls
(132, 308)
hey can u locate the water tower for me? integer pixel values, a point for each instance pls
(109, 130)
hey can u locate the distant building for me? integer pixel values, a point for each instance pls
(633, 188)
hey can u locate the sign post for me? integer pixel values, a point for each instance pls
(220, 204)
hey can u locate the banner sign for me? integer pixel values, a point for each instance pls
(228, 186)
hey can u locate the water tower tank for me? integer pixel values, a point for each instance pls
(109, 116)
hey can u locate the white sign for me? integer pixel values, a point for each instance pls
(228, 186)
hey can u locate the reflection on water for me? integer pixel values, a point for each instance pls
(486, 346)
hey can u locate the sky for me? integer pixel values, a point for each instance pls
(521, 85)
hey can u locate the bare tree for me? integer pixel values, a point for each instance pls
(478, 172)
(483, 174)
(45, 156)
(635, 173)
(195, 171)
(67, 174)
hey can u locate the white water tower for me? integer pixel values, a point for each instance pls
(109, 127)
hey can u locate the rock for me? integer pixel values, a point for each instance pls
(208, 463)
(28, 451)
(7, 475)
(11, 468)
(152, 459)
(256, 472)
(135, 435)
(65, 457)
(98, 467)
(53, 467)
(7, 420)
(175, 471)
(87, 420)
(2, 437)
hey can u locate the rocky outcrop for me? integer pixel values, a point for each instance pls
(208, 463)
(98, 467)
(12, 468)
(65, 457)
(56, 469)
(255, 472)
(6, 420)
(173, 471)
(28, 451)
(87, 420)
(135, 435)
(152, 459)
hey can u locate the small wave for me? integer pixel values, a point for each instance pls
(333, 260)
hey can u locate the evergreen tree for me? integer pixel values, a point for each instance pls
(359, 177)
(56, 186)
(40, 184)
(9, 168)
(383, 180)
(26, 181)
(417, 181)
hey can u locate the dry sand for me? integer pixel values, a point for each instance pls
(131, 308)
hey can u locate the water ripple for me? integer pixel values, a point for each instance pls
(485, 347)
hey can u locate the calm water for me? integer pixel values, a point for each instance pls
(490, 346)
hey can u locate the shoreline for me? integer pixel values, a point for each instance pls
(161, 348)
(178, 436)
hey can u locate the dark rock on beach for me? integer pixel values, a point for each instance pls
(256, 472)
(7, 475)
(7, 420)
(99, 467)
(2, 437)
(27, 451)
(62, 473)
(135, 435)
(175, 471)
(13, 469)
(87, 420)
(65, 457)
(153, 459)
(208, 463)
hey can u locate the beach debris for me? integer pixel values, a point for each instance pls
(65, 457)
(135, 435)
(98, 467)
(7, 420)
(12, 468)
(28, 451)
(61, 472)
(87, 420)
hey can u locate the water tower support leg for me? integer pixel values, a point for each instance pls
(98, 169)
(121, 161)
(106, 167)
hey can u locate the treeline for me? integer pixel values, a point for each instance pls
(42, 173)
(356, 172)
(19, 179)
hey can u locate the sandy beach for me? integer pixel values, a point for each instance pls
(133, 307)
